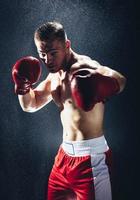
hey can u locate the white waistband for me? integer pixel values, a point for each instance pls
(85, 147)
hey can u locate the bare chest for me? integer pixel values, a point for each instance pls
(60, 89)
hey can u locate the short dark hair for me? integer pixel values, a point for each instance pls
(51, 31)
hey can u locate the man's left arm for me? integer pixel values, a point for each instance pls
(106, 71)
(92, 83)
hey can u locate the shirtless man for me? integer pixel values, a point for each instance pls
(79, 86)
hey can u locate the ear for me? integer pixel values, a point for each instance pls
(68, 44)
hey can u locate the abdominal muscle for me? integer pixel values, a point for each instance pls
(80, 125)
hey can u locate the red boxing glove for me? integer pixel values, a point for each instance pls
(26, 72)
(88, 87)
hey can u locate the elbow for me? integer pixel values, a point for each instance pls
(122, 83)
(29, 109)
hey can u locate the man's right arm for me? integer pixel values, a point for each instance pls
(26, 72)
(38, 97)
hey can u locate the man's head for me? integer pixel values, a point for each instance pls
(52, 45)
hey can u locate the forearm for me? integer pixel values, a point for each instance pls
(94, 67)
(121, 80)
(90, 86)
(34, 100)
(28, 101)
(106, 71)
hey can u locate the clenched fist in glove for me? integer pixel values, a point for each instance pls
(26, 72)
(88, 87)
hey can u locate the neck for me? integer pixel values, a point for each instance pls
(70, 60)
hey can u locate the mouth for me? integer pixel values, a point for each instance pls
(51, 68)
(50, 65)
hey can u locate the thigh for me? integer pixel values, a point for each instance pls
(58, 188)
(86, 192)
(101, 175)
(58, 185)
(102, 188)
(81, 178)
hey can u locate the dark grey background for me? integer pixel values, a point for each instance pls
(106, 30)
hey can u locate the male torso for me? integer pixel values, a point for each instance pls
(77, 124)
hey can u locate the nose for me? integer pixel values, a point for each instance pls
(48, 59)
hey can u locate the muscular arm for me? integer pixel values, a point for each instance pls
(106, 71)
(38, 97)
(92, 83)
(103, 70)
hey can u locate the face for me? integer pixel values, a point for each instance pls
(53, 54)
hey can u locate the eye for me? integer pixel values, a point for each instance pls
(53, 53)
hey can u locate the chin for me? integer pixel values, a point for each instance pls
(54, 70)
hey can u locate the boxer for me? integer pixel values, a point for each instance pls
(79, 86)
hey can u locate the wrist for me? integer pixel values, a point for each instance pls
(22, 89)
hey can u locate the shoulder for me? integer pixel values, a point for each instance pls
(85, 62)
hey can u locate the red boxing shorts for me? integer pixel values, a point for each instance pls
(81, 171)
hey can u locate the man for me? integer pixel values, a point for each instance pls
(79, 86)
